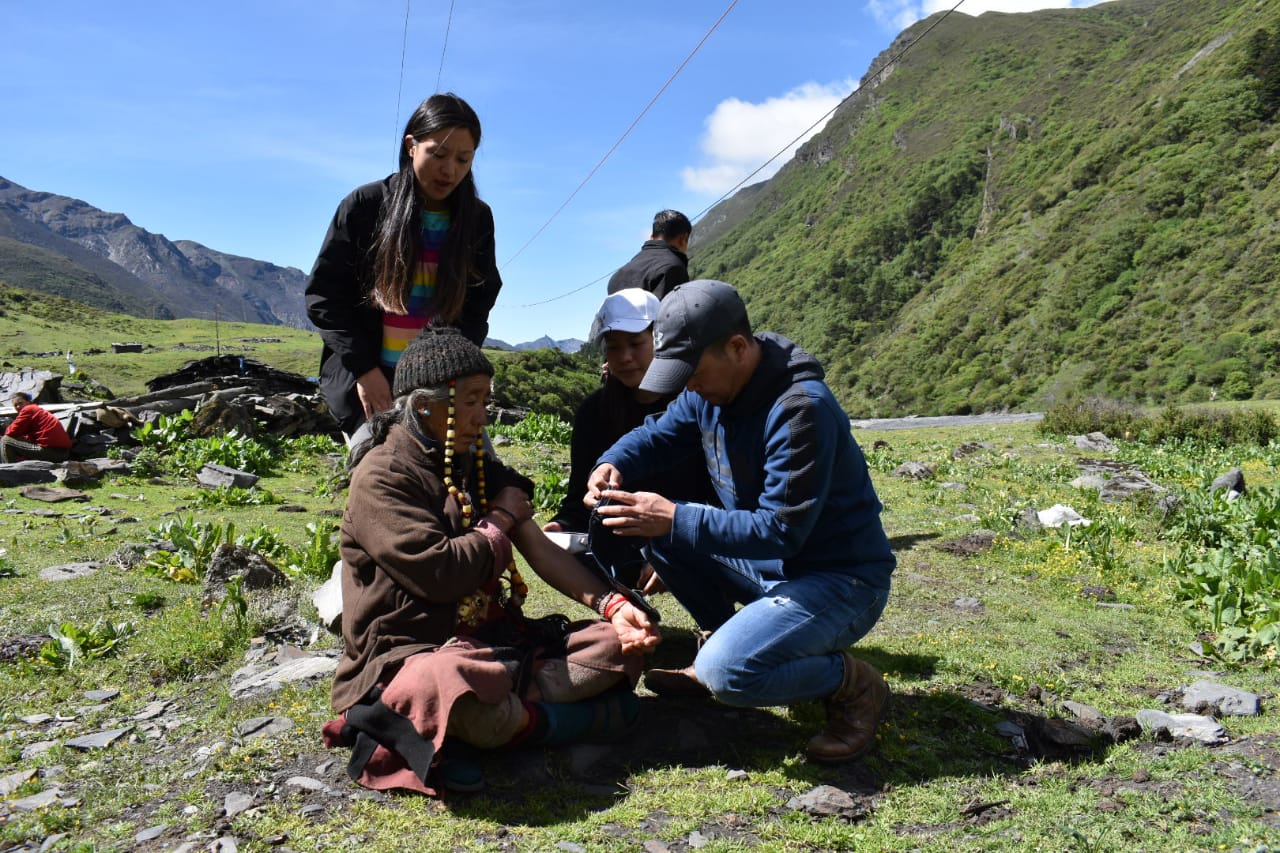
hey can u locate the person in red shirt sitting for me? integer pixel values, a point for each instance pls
(34, 434)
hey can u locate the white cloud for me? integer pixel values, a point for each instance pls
(741, 135)
(900, 14)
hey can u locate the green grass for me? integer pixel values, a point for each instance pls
(33, 324)
(1036, 641)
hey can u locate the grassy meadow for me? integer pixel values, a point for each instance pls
(37, 331)
(971, 638)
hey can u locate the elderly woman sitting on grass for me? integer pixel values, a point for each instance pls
(437, 648)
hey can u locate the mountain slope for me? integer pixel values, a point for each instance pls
(155, 277)
(1026, 206)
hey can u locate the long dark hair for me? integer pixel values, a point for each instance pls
(399, 227)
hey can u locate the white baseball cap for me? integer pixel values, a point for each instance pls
(629, 310)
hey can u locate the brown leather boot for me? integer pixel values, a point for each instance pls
(676, 682)
(853, 713)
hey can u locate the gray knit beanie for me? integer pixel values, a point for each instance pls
(437, 355)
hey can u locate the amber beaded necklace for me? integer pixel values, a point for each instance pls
(473, 608)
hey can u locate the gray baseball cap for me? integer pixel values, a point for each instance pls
(692, 317)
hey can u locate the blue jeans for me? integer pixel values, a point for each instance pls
(784, 644)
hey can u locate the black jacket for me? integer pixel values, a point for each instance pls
(658, 268)
(338, 297)
(606, 415)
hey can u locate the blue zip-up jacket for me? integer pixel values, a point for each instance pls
(793, 483)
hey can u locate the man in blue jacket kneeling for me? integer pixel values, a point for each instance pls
(798, 542)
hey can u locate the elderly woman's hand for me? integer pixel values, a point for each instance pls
(513, 504)
(636, 633)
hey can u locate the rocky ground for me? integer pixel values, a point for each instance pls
(313, 783)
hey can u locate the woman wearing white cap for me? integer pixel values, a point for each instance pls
(623, 328)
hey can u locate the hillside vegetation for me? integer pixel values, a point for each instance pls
(1026, 207)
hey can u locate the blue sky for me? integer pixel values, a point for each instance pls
(240, 125)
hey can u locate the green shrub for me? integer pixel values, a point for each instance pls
(71, 644)
(546, 429)
(1091, 414)
(1228, 570)
(1212, 427)
(546, 381)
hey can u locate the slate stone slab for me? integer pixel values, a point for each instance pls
(27, 472)
(222, 475)
(69, 571)
(1205, 730)
(1228, 701)
(98, 740)
(251, 682)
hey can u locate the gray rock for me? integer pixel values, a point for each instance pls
(1092, 441)
(967, 603)
(151, 833)
(1205, 730)
(1086, 714)
(1127, 485)
(1221, 699)
(827, 801)
(236, 802)
(70, 571)
(916, 470)
(264, 727)
(225, 844)
(52, 841)
(1029, 519)
(222, 475)
(153, 710)
(737, 776)
(33, 750)
(1232, 482)
(13, 781)
(1089, 481)
(969, 448)
(253, 570)
(98, 740)
(252, 682)
(307, 784)
(26, 472)
(101, 695)
(43, 800)
(570, 847)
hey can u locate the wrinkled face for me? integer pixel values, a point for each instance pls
(627, 354)
(470, 413)
(441, 160)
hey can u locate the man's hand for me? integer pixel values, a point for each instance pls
(374, 392)
(637, 634)
(603, 477)
(637, 513)
(649, 583)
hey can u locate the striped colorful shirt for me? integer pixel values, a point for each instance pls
(399, 329)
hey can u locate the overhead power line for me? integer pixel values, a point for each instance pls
(447, 27)
(871, 76)
(404, 43)
(740, 184)
(625, 133)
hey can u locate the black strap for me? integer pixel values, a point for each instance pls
(374, 723)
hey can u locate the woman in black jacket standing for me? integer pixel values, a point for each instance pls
(412, 250)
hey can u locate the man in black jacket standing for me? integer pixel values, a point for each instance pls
(662, 263)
